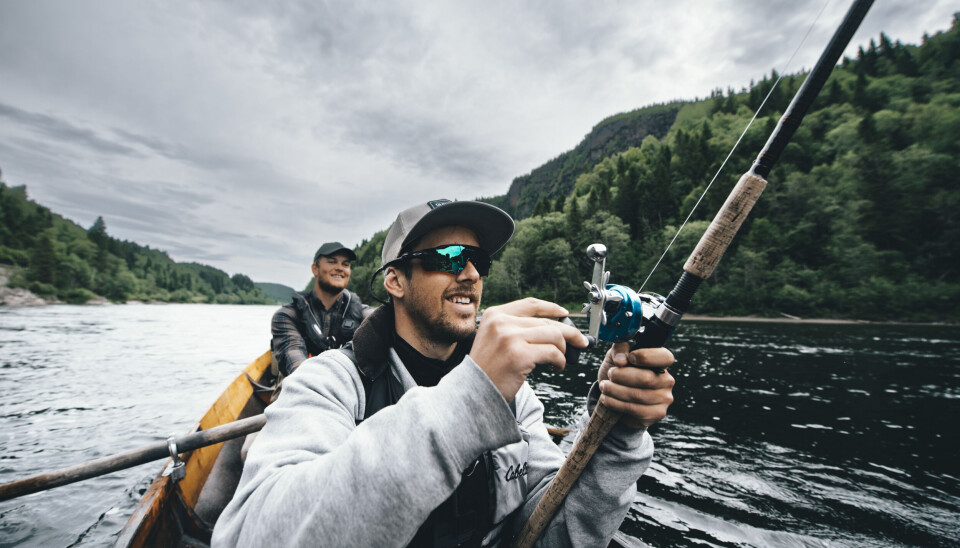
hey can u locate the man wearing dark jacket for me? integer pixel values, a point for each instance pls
(320, 319)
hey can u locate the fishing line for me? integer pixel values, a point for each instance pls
(735, 145)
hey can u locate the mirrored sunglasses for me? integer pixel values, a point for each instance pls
(451, 259)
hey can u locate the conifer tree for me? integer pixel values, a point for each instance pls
(43, 262)
(560, 203)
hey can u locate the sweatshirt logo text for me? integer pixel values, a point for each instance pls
(516, 472)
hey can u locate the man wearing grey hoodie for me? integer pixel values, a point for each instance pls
(424, 431)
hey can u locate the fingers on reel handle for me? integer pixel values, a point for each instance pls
(572, 354)
(654, 334)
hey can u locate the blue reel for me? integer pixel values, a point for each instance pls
(624, 315)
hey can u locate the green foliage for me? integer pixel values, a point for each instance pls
(15, 257)
(861, 210)
(537, 261)
(78, 296)
(277, 293)
(42, 289)
(63, 260)
(43, 261)
(367, 263)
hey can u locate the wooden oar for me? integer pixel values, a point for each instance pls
(129, 459)
(557, 432)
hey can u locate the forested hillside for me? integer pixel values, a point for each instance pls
(861, 218)
(276, 293)
(58, 258)
(557, 177)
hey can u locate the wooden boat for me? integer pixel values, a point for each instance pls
(183, 513)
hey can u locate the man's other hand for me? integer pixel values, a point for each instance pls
(641, 394)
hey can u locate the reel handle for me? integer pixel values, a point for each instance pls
(572, 353)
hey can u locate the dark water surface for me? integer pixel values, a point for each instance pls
(781, 434)
(800, 435)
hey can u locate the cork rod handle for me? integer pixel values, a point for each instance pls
(725, 225)
(597, 428)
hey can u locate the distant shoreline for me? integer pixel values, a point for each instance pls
(793, 320)
(17, 297)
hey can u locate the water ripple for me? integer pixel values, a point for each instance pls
(780, 435)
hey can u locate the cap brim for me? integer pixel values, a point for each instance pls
(345, 250)
(492, 225)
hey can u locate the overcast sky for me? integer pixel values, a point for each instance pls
(242, 134)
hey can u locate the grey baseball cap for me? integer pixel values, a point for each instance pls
(331, 248)
(492, 225)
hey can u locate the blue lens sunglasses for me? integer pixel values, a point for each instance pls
(446, 258)
(450, 258)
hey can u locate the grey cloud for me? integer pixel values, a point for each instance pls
(429, 146)
(227, 172)
(324, 33)
(141, 112)
(157, 145)
(64, 131)
(179, 248)
(177, 230)
(143, 206)
(357, 56)
(203, 159)
(35, 148)
(146, 207)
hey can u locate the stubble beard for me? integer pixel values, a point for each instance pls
(327, 288)
(441, 329)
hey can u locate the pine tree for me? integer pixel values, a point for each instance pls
(542, 207)
(560, 203)
(43, 262)
(98, 232)
(574, 220)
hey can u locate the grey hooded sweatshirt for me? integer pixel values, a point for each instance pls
(315, 477)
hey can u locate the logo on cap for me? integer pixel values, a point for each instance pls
(434, 204)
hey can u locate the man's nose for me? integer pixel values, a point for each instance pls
(469, 274)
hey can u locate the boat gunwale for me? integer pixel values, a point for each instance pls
(155, 503)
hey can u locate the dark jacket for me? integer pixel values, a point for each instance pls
(298, 331)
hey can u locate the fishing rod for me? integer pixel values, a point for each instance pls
(619, 314)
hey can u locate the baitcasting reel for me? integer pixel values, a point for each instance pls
(618, 313)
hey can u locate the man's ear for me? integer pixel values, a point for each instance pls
(394, 283)
(314, 269)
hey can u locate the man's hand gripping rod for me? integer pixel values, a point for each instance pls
(599, 294)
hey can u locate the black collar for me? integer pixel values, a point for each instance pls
(375, 337)
(426, 371)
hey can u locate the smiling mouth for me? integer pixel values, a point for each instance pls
(459, 299)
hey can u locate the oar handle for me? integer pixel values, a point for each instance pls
(129, 459)
(597, 428)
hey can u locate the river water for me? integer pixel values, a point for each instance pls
(781, 434)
